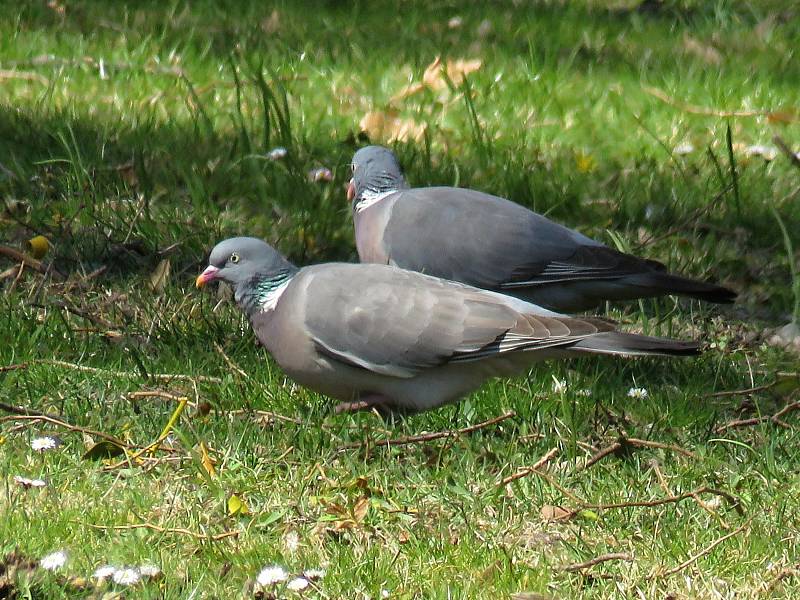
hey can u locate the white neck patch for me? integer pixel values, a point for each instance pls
(368, 198)
(270, 299)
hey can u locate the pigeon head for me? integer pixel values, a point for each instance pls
(375, 171)
(249, 265)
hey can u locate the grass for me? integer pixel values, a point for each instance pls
(134, 135)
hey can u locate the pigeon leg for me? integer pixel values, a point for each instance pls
(365, 402)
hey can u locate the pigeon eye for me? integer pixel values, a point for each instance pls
(353, 168)
(234, 258)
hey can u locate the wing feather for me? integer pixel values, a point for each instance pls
(398, 323)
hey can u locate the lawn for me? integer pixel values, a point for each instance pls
(134, 138)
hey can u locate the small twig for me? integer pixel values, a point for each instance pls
(155, 394)
(429, 437)
(23, 414)
(669, 500)
(159, 376)
(651, 444)
(24, 75)
(622, 442)
(29, 261)
(13, 367)
(596, 561)
(524, 472)
(177, 530)
(262, 413)
(776, 419)
(707, 550)
(750, 390)
(80, 312)
(733, 500)
(783, 574)
(610, 449)
(229, 361)
(662, 480)
(784, 147)
(701, 110)
(182, 402)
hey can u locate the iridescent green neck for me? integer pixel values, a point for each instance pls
(262, 291)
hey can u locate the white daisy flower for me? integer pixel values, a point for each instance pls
(149, 570)
(297, 585)
(291, 541)
(271, 575)
(277, 153)
(104, 572)
(127, 576)
(682, 149)
(54, 561)
(559, 386)
(314, 574)
(320, 174)
(29, 483)
(40, 444)
(384, 593)
(585, 392)
(768, 153)
(638, 393)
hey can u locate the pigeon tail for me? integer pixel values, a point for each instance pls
(683, 286)
(632, 344)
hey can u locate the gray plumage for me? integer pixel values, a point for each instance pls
(492, 243)
(377, 335)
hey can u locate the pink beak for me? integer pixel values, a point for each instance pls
(351, 191)
(210, 274)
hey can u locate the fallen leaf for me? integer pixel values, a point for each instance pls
(39, 246)
(782, 116)
(103, 449)
(585, 163)
(237, 506)
(705, 52)
(360, 509)
(786, 337)
(433, 78)
(208, 463)
(380, 125)
(272, 23)
(530, 596)
(159, 277)
(556, 513)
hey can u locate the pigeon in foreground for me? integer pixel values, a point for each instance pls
(377, 336)
(492, 243)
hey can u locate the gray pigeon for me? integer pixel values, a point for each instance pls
(491, 243)
(377, 336)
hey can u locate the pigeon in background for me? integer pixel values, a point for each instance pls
(377, 336)
(492, 243)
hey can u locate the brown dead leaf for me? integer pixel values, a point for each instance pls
(360, 509)
(345, 518)
(387, 126)
(433, 78)
(705, 52)
(782, 117)
(160, 276)
(272, 23)
(556, 513)
(207, 461)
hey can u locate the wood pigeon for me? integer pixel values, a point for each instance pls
(492, 243)
(377, 336)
